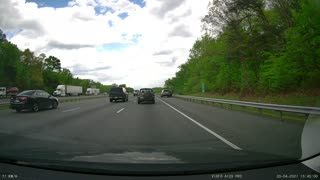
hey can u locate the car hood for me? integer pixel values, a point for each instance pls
(144, 160)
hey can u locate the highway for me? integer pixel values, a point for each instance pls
(6, 100)
(97, 124)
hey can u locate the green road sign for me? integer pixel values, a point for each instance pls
(203, 88)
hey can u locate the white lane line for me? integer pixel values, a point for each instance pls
(203, 127)
(120, 110)
(71, 109)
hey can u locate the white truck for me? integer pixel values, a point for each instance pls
(3, 92)
(68, 90)
(92, 91)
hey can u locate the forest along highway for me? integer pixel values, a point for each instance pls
(98, 123)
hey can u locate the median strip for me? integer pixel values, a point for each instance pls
(120, 110)
(71, 109)
(203, 127)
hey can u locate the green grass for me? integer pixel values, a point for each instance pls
(295, 99)
(4, 107)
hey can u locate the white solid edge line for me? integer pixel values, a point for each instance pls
(71, 109)
(205, 128)
(120, 110)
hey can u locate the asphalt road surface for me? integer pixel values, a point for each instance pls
(93, 125)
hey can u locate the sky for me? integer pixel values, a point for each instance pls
(140, 43)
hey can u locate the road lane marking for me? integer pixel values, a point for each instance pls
(120, 110)
(203, 127)
(71, 109)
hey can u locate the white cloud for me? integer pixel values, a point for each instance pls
(158, 36)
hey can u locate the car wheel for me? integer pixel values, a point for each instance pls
(18, 110)
(153, 101)
(35, 107)
(110, 100)
(138, 102)
(54, 104)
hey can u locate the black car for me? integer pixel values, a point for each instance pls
(33, 100)
(146, 94)
(118, 93)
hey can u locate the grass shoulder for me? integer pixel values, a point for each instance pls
(310, 98)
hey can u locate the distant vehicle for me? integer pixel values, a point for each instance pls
(33, 100)
(166, 92)
(146, 94)
(67, 90)
(3, 92)
(92, 91)
(118, 93)
(104, 93)
(13, 91)
(135, 92)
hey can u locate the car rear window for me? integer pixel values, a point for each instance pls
(145, 90)
(116, 90)
(26, 93)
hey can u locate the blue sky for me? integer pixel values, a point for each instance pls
(50, 3)
(112, 47)
(141, 3)
(103, 10)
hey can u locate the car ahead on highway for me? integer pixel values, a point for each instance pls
(33, 100)
(135, 92)
(118, 93)
(166, 92)
(146, 95)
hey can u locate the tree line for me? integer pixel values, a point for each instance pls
(25, 70)
(254, 47)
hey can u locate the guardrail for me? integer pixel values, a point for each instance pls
(260, 106)
(4, 103)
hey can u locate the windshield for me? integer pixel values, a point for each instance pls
(26, 93)
(227, 84)
(146, 90)
(116, 90)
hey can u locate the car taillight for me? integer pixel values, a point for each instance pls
(23, 99)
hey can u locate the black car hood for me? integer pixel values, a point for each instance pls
(146, 160)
